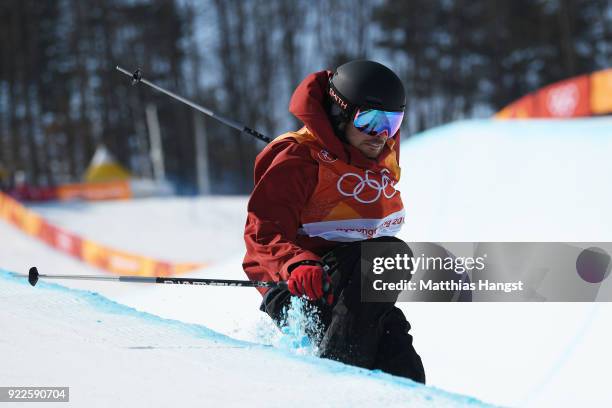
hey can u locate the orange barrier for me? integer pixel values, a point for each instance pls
(601, 91)
(110, 259)
(583, 95)
(108, 190)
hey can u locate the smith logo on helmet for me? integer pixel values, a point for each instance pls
(337, 99)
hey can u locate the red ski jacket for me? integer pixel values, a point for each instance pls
(313, 192)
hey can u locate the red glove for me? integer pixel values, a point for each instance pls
(310, 281)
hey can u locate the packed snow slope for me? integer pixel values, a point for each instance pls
(523, 180)
(112, 355)
(469, 181)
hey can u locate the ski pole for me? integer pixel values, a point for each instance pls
(33, 277)
(137, 77)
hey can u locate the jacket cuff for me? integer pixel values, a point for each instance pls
(295, 261)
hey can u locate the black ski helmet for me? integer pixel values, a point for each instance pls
(363, 84)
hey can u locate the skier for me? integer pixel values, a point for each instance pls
(320, 193)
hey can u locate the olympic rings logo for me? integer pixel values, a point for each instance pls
(384, 187)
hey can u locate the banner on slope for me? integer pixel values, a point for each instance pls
(580, 96)
(90, 252)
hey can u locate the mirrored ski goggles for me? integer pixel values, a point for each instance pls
(377, 122)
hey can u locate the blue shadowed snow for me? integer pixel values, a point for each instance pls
(340, 371)
(106, 305)
(300, 323)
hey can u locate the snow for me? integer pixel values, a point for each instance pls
(483, 180)
(525, 181)
(469, 181)
(111, 355)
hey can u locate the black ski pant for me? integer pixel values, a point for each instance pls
(371, 335)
